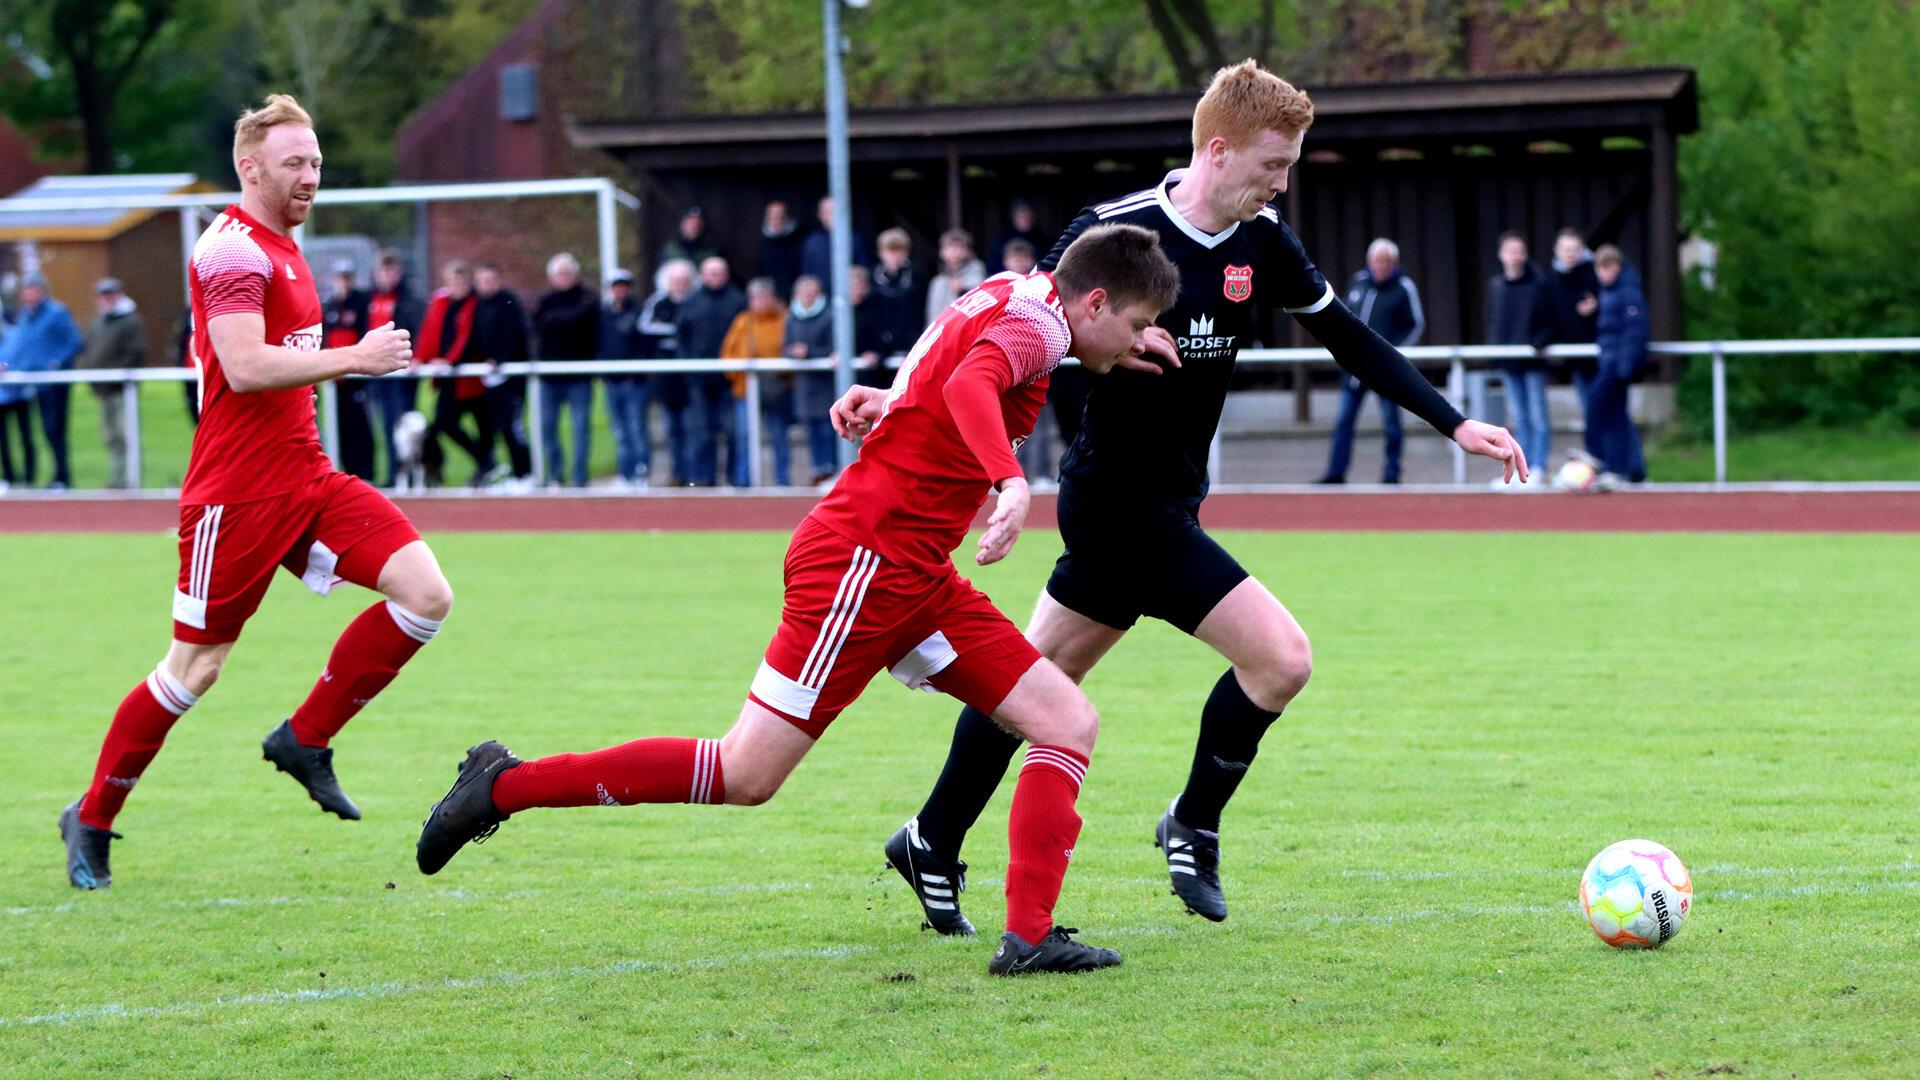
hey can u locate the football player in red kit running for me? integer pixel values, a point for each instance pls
(259, 493)
(870, 586)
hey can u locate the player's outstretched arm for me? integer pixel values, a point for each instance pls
(857, 411)
(1384, 369)
(252, 365)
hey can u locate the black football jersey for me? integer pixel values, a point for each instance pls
(1149, 435)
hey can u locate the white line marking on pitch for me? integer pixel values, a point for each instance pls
(397, 989)
(135, 906)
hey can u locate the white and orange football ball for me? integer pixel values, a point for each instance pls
(1636, 894)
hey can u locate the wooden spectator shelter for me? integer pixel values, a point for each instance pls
(76, 248)
(1442, 166)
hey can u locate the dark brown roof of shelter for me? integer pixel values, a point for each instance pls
(1423, 109)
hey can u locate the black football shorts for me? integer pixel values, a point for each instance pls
(1126, 558)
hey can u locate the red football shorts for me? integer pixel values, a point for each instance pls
(849, 613)
(335, 528)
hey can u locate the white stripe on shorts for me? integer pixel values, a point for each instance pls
(846, 604)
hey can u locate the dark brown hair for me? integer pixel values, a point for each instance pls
(1125, 260)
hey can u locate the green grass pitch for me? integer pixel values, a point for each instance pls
(1485, 714)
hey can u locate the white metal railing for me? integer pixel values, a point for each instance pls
(1458, 358)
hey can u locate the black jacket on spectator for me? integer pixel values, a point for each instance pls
(620, 337)
(1566, 288)
(566, 325)
(658, 327)
(705, 318)
(1390, 307)
(348, 313)
(500, 328)
(899, 301)
(1519, 313)
(406, 310)
(779, 259)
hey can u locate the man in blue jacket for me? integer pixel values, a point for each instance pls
(1386, 300)
(43, 337)
(1622, 335)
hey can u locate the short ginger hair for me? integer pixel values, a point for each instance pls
(251, 129)
(1245, 99)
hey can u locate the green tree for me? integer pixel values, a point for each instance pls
(1806, 175)
(88, 75)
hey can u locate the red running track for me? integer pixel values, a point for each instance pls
(1639, 511)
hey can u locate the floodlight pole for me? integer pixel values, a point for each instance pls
(840, 187)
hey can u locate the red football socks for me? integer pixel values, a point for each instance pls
(139, 726)
(642, 771)
(368, 655)
(1040, 835)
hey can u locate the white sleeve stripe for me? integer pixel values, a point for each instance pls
(1419, 315)
(1325, 299)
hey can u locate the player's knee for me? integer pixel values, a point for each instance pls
(202, 671)
(1281, 675)
(1085, 721)
(430, 597)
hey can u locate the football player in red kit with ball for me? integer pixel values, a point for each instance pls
(260, 493)
(870, 586)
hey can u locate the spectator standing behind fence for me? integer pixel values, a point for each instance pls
(446, 338)
(566, 326)
(660, 340)
(868, 351)
(393, 302)
(16, 414)
(705, 318)
(620, 339)
(961, 271)
(1519, 313)
(44, 338)
(1387, 300)
(690, 243)
(1024, 226)
(757, 334)
(344, 319)
(1623, 327)
(816, 257)
(1573, 294)
(500, 328)
(810, 337)
(781, 247)
(117, 339)
(899, 296)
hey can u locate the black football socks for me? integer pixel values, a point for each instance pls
(976, 762)
(1231, 726)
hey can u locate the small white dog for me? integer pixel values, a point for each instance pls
(410, 445)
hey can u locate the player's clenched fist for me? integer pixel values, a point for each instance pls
(857, 411)
(385, 349)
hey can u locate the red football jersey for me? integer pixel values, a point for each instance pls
(255, 445)
(916, 486)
